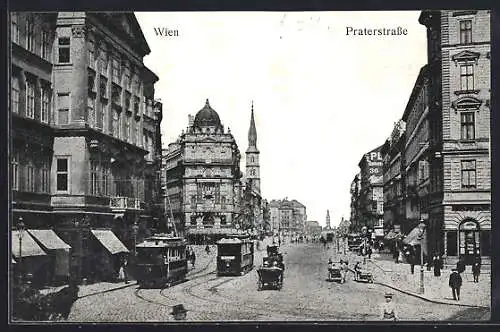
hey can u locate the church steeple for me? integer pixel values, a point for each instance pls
(252, 156)
(328, 219)
(252, 132)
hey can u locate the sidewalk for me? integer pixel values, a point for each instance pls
(398, 276)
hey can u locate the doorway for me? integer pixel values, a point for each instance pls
(469, 240)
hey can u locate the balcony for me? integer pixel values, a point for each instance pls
(117, 203)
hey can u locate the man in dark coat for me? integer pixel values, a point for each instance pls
(476, 268)
(437, 262)
(461, 265)
(455, 283)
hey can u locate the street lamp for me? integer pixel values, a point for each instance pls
(135, 229)
(421, 238)
(20, 234)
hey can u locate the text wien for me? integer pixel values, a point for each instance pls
(166, 32)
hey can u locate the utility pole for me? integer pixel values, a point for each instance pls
(421, 238)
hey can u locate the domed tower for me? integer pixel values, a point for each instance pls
(252, 157)
(207, 120)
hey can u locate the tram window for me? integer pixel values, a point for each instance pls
(229, 250)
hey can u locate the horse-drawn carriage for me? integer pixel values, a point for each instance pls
(270, 276)
(273, 255)
(334, 273)
(362, 275)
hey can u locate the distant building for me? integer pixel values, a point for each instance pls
(287, 216)
(355, 192)
(313, 228)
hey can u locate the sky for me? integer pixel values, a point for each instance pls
(322, 98)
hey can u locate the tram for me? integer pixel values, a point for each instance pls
(234, 256)
(161, 261)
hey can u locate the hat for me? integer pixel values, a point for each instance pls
(177, 309)
(388, 295)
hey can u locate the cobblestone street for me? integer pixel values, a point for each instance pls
(306, 295)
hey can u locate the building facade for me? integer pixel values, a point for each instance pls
(203, 179)
(288, 217)
(371, 198)
(459, 43)
(355, 191)
(393, 178)
(85, 130)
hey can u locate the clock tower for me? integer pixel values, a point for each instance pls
(252, 158)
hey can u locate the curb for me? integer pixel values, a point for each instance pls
(108, 290)
(429, 300)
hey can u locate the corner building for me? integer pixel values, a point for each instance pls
(460, 172)
(203, 179)
(85, 133)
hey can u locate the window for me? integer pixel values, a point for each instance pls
(46, 51)
(62, 172)
(466, 32)
(14, 94)
(94, 177)
(103, 86)
(30, 178)
(91, 53)
(485, 243)
(127, 128)
(91, 116)
(451, 243)
(136, 105)
(15, 171)
(252, 172)
(127, 83)
(105, 179)
(30, 99)
(64, 54)
(468, 174)
(103, 61)
(63, 103)
(467, 125)
(114, 126)
(44, 177)
(137, 134)
(467, 77)
(30, 34)
(116, 69)
(14, 25)
(45, 111)
(99, 124)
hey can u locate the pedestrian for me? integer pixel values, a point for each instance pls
(437, 262)
(369, 252)
(207, 249)
(343, 270)
(179, 312)
(455, 283)
(193, 258)
(412, 263)
(476, 268)
(388, 309)
(122, 274)
(461, 265)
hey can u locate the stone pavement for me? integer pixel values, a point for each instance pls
(436, 289)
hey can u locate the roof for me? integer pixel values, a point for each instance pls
(229, 241)
(109, 240)
(29, 247)
(48, 239)
(252, 132)
(207, 116)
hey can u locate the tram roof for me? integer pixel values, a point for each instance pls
(233, 240)
(160, 241)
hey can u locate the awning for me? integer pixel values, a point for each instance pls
(49, 239)
(392, 235)
(109, 240)
(416, 235)
(29, 247)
